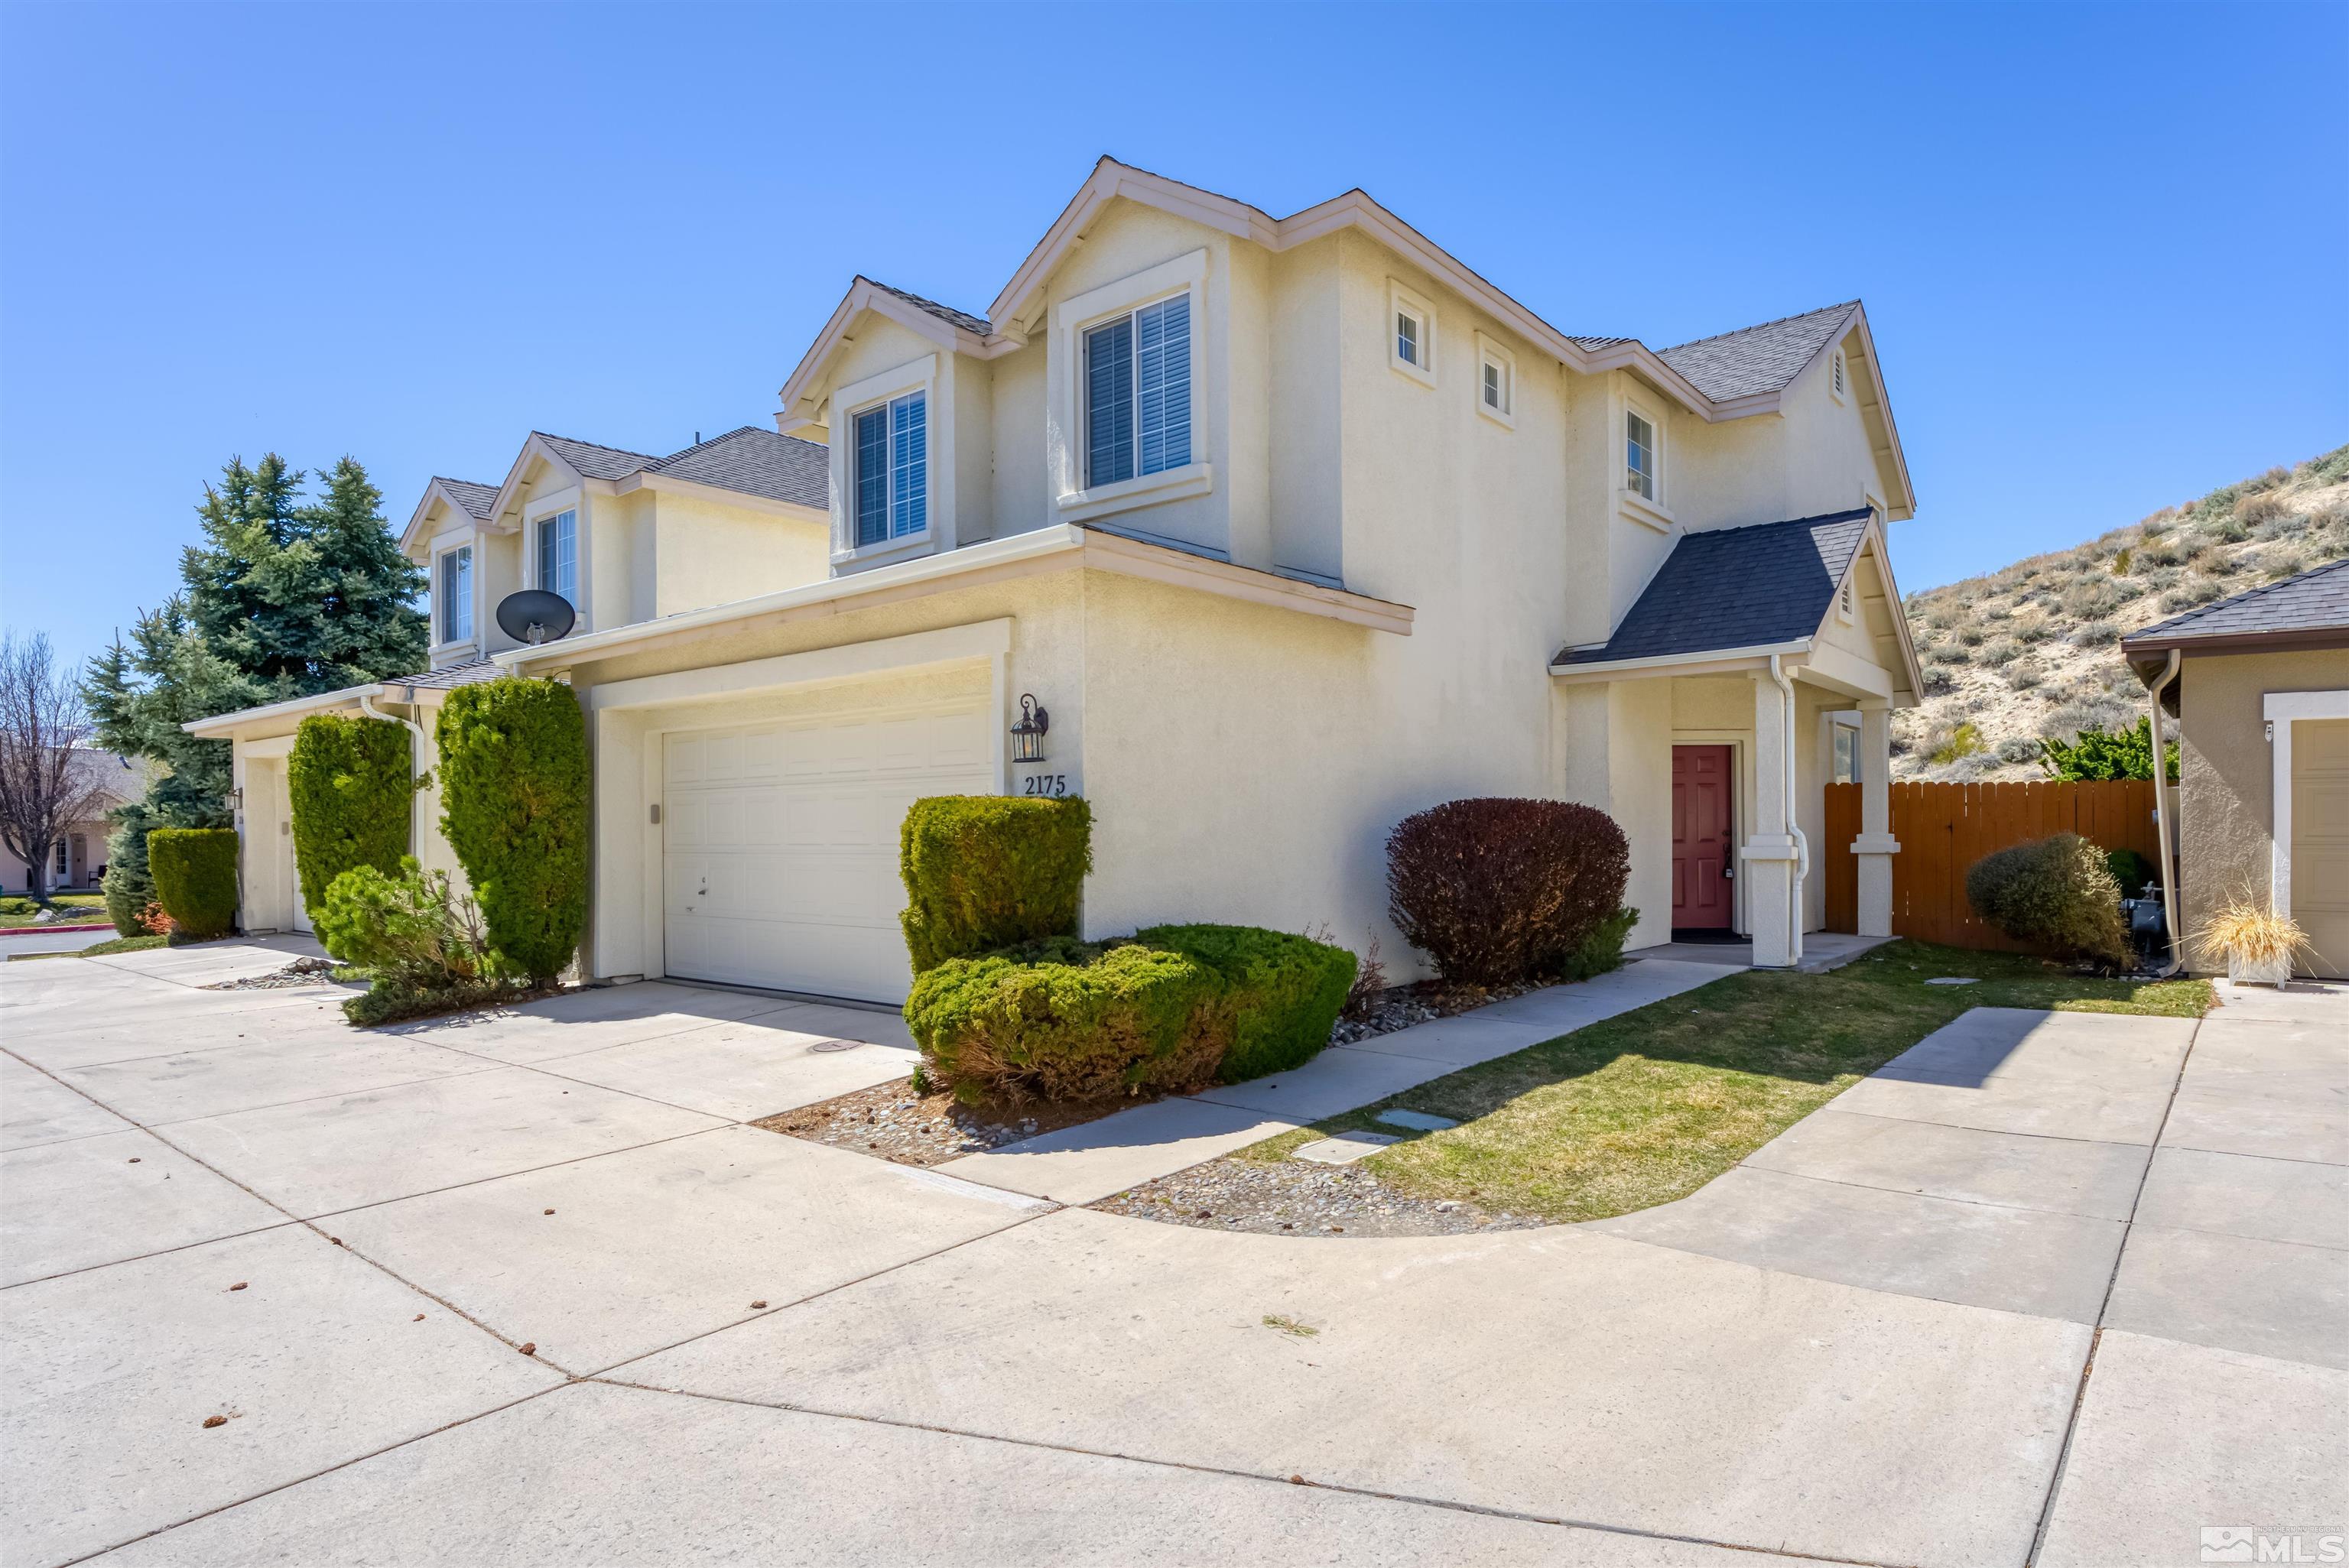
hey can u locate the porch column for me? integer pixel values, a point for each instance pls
(1876, 846)
(1768, 857)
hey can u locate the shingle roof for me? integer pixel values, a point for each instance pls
(1737, 588)
(2316, 600)
(751, 460)
(961, 318)
(476, 499)
(451, 676)
(596, 463)
(1756, 358)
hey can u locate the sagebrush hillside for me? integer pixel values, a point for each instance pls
(2032, 649)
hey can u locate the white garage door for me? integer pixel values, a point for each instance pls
(780, 844)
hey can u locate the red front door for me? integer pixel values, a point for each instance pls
(1700, 834)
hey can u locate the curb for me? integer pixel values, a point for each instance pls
(59, 925)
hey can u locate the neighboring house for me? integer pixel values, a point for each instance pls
(78, 859)
(1292, 526)
(624, 536)
(2260, 684)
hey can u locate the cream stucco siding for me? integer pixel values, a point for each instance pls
(2225, 805)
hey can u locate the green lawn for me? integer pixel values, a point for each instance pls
(1649, 1106)
(73, 909)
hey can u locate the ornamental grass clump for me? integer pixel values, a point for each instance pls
(1501, 891)
(2056, 893)
(2244, 936)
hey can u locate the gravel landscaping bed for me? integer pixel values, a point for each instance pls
(1420, 1002)
(1295, 1198)
(894, 1122)
(301, 971)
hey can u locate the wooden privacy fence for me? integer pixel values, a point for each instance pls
(1944, 828)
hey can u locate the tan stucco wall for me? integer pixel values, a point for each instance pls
(2226, 769)
(707, 552)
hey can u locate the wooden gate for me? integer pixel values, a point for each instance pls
(1943, 828)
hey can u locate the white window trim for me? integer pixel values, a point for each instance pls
(862, 396)
(1489, 352)
(570, 498)
(472, 638)
(1401, 301)
(2281, 710)
(1655, 514)
(1838, 376)
(1064, 393)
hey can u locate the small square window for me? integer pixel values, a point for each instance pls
(1496, 381)
(1411, 333)
(1638, 456)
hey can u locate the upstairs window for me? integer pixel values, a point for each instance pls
(558, 555)
(892, 449)
(1137, 381)
(457, 594)
(1496, 381)
(1411, 333)
(1638, 456)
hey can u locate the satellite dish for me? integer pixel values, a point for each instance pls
(535, 616)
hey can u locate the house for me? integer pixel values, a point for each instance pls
(622, 536)
(1264, 534)
(2260, 686)
(77, 858)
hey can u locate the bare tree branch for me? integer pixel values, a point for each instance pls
(49, 780)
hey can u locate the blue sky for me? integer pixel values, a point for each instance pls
(2102, 247)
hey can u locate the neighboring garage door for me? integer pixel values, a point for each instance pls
(2320, 839)
(780, 844)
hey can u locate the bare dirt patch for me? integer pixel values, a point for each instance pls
(1293, 1198)
(896, 1122)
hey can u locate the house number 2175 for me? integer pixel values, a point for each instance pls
(1051, 784)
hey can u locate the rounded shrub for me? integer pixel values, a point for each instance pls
(1285, 991)
(514, 790)
(985, 872)
(352, 792)
(2056, 893)
(1501, 891)
(195, 878)
(1070, 1021)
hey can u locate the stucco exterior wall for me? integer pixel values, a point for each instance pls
(2226, 807)
(707, 552)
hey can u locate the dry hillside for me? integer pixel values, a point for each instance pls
(2034, 649)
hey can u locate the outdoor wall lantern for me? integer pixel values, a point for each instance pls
(1027, 735)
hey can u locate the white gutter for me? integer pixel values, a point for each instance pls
(416, 745)
(1669, 661)
(1793, 827)
(2161, 809)
(210, 729)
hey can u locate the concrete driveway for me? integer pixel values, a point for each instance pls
(524, 1290)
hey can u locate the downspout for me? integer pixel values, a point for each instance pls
(2161, 806)
(1794, 826)
(416, 744)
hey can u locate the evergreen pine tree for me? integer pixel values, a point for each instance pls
(140, 694)
(369, 625)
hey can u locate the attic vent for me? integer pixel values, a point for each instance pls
(1838, 373)
(1842, 600)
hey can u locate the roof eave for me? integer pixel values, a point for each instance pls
(220, 724)
(2157, 647)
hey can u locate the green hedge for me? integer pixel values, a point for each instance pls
(195, 878)
(352, 793)
(1285, 991)
(2056, 893)
(1070, 1021)
(513, 785)
(988, 872)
